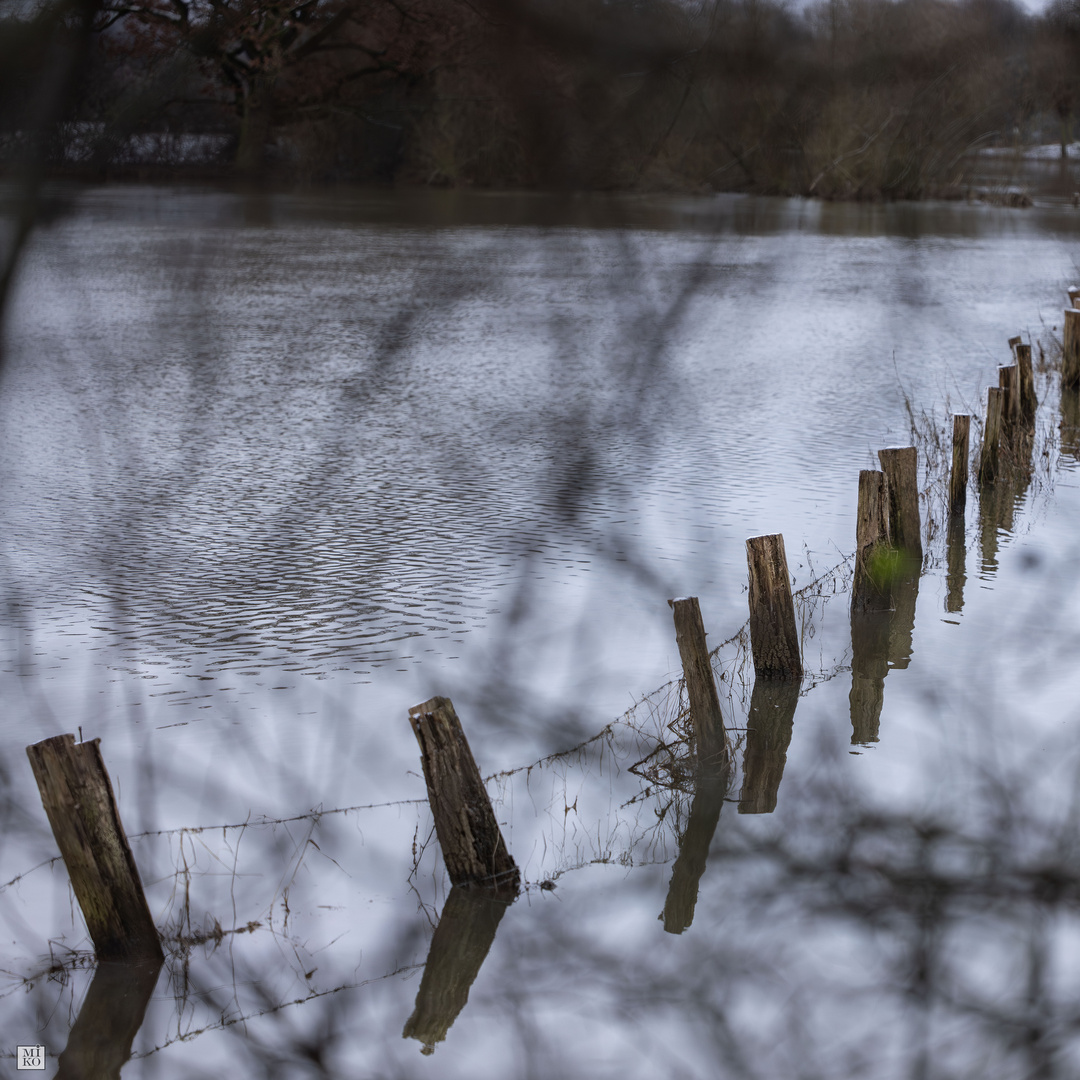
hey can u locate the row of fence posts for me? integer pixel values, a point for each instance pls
(78, 798)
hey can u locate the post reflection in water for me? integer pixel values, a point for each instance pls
(999, 498)
(1070, 423)
(112, 1013)
(956, 564)
(710, 788)
(869, 666)
(459, 947)
(905, 591)
(768, 734)
(880, 639)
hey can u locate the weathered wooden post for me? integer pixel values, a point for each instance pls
(1070, 361)
(774, 637)
(988, 461)
(79, 803)
(1013, 342)
(958, 479)
(901, 468)
(472, 844)
(1028, 401)
(1074, 295)
(1009, 383)
(700, 685)
(462, 940)
(870, 589)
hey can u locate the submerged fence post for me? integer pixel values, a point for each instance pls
(958, 479)
(1070, 360)
(79, 803)
(901, 468)
(774, 638)
(1028, 401)
(700, 684)
(472, 844)
(1009, 382)
(988, 461)
(871, 586)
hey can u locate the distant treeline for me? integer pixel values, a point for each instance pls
(844, 98)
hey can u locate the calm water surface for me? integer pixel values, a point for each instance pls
(276, 468)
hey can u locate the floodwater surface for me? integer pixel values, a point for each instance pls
(276, 468)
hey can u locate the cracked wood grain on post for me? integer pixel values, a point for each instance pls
(958, 478)
(1009, 382)
(774, 637)
(1029, 402)
(870, 589)
(473, 847)
(988, 461)
(79, 803)
(900, 464)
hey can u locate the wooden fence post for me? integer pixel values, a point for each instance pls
(700, 684)
(988, 461)
(774, 638)
(1028, 401)
(472, 844)
(958, 479)
(1009, 382)
(901, 468)
(1070, 361)
(871, 585)
(1074, 295)
(79, 803)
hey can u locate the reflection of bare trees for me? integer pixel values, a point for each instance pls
(923, 903)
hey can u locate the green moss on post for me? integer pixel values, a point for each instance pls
(900, 464)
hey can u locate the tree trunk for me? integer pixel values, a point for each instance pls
(254, 127)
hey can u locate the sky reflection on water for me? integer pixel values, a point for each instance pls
(276, 472)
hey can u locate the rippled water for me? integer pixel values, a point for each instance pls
(276, 468)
